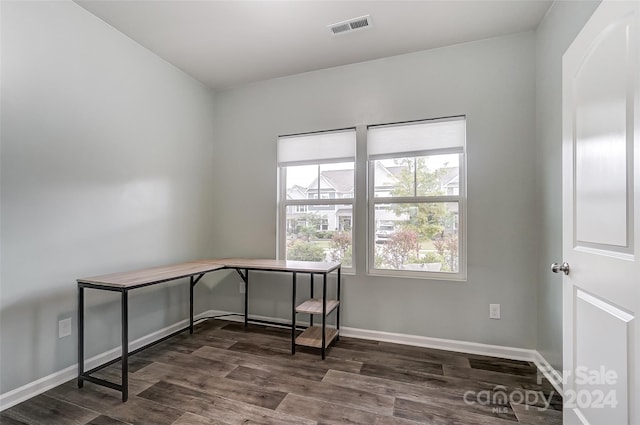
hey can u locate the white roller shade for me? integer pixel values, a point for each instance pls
(415, 139)
(331, 146)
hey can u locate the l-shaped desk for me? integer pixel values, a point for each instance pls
(313, 336)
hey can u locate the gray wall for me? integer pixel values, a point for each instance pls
(556, 32)
(106, 165)
(106, 159)
(493, 83)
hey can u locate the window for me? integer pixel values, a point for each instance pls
(416, 198)
(316, 196)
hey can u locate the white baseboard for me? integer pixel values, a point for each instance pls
(41, 385)
(441, 344)
(27, 391)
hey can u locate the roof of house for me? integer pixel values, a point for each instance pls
(340, 180)
(395, 170)
(449, 175)
(291, 192)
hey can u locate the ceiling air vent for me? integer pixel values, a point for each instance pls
(350, 25)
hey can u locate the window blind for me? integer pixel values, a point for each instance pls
(416, 138)
(330, 146)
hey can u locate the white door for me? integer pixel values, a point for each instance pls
(601, 218)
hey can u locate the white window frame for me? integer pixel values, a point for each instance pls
(284, 203)
(373, 202)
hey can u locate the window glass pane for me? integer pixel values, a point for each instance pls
(417, 237)
(336, 180)
(302, 182)
(393, 177)
(438, 175)
(319, 233)
(432, 175)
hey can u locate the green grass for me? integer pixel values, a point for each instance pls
(324, 243)
(427, 245)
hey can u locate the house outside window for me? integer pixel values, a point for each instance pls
(417, 198)
(316, 196)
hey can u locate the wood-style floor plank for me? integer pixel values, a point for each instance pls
(226, 374)
(193, 419)
(218, 408)
(91, 396)
(240, 391)
(44, 410)
(381, 370)
(7, 420)
(300, 357)
(350, 397)
(200, 339)
(387, 359)
(433, 413)
(499, 378)
(431, 355)
(393, 420)
(141, 411)
(534, 416)
(324, 412)
(277, 344)
(106, 420)
(520, 369)
(174, 358)
(439, 385)
(163, 371)
(284, 366)
(450, 402)
(113, 373)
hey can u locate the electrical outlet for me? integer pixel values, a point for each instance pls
(243, 289)
(64, 327)
(494, 311)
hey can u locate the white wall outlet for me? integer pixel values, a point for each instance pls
(64, 327)
(243, 288)
(494, 311)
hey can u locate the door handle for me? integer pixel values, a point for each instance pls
(560, 268)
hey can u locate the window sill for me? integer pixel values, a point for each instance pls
(451, 277)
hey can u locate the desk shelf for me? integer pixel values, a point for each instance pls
(312, 337)
(321, 306)
(314, 306)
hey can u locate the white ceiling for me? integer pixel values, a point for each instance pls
(226, 43)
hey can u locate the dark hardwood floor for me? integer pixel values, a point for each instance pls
(225, 374)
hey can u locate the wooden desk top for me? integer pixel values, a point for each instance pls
(152, 275)
(279, 265)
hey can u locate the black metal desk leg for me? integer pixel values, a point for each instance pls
(293, 315)
(324, 314)
(338, 309)
(246, 298)
(311, 293)
(125, 346)
(191, 285)
(80, 336)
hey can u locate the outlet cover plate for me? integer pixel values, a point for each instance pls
(64, 327)
(494, 311)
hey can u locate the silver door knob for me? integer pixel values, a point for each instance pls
(563, 268)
